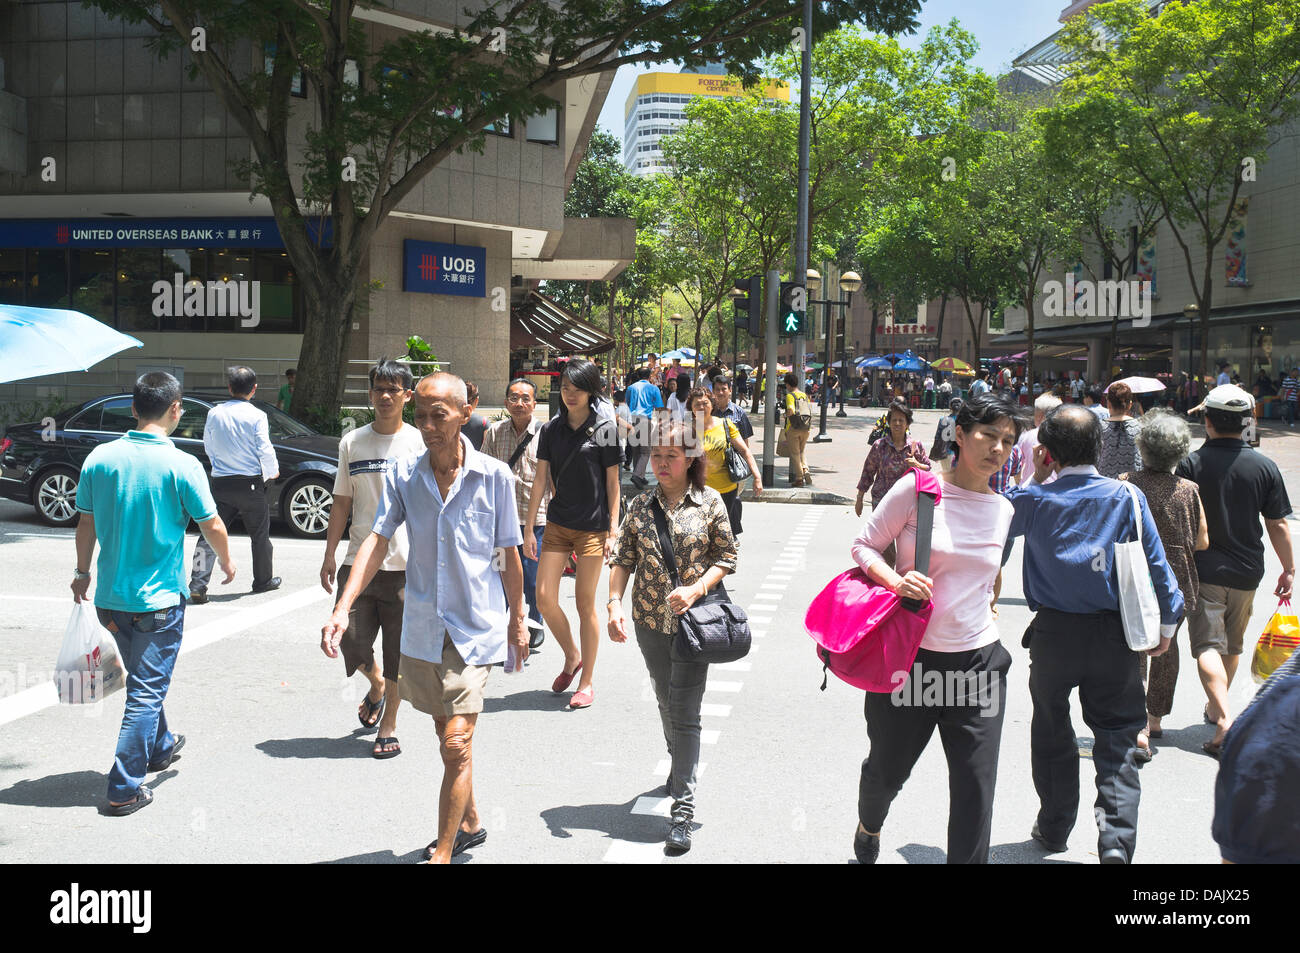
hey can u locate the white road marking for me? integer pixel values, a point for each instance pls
(743, 665)
(712, 686)
(660, 806)
(628, 852)
(31, 700)
(778, 586)
(756, 633)
(708, 736)
(761, 620)
(44, 535)
(779, 576)
(720, 711)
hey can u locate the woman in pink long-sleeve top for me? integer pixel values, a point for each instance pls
(958, 679)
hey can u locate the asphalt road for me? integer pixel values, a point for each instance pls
(276, 768)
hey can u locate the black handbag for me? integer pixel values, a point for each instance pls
(714, 629)
(737, 468)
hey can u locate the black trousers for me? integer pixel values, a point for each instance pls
(1088, 652)
(962, 694)
(243, 497)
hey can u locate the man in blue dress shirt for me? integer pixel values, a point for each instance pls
(458, 506)
(1077, 638)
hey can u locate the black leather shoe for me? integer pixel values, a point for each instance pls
(273, 583)
(198, 598)
(536, 635)
(1052, 847)
(1114, 855)
(679, 836)
(866, 847)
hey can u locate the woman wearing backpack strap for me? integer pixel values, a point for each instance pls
(961, 659)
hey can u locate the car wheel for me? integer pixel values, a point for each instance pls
(307, 508)
(55, 496)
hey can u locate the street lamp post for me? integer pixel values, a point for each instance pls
(676, 319)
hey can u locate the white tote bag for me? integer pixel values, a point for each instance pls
(1138, 607)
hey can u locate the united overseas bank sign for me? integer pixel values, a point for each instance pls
(441, 268)
(260, 232)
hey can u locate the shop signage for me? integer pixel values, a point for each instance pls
(141, 233)
(442, 268)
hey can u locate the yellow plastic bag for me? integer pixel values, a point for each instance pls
(1280, 638)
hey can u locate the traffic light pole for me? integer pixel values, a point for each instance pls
(769, 390)
(822, 435)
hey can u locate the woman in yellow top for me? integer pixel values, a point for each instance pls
(796, 437)
(712, 434)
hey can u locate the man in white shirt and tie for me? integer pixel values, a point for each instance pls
(237, 439)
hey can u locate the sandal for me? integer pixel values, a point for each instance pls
(143, 798)
(162, 764)
(1143, 747)
(374, 711)
(1212, 749)
(381, 748)
(464, 841)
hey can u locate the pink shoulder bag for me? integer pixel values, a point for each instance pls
(866, 635)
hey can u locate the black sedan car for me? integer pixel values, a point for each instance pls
(40, 464)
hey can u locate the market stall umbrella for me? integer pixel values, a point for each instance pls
(876, 363)
(910, 362)
(952, 364)
(745, 367)
(39, 341)
(1139, 385)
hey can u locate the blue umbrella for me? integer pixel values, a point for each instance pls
(876, 362)
(39, 341)
(910, 362)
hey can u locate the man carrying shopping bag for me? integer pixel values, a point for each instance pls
(136, 497)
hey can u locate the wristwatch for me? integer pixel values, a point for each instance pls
(78, 574)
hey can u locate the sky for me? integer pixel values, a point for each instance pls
(1003, 28)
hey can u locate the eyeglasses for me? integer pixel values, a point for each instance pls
(388, 391)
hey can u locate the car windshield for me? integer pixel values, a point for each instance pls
(281, 424)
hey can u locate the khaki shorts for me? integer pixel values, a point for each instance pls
(558, 539)
(452, 688)
(1219, 620)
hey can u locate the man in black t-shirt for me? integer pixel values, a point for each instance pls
(1238, 485)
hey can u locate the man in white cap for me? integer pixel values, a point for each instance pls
(1238, 485)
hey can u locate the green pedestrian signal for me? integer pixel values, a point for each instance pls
(794, 309)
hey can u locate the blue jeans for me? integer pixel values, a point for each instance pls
(148, 643)
(530, 575)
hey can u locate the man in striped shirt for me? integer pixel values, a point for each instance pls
(1289, 394)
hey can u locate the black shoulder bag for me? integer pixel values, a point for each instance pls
(714, 629)
(737, 468)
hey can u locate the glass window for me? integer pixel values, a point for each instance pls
(93, 280)
(88, 419)
(12, 288)
(228, 266)
(279, 309)
(544, 127)
(192, 265)
(280, 424)
(193, 417)
(137, 270)
(117, 416)
(47, 278)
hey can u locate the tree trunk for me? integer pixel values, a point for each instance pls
(1029, 344)
(938, 335)
(974, 332)
(319, 388)
(1203, 301)
(875, 319)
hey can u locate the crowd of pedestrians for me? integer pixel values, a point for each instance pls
(459, 531)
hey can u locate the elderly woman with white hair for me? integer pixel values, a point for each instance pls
(1164, 441)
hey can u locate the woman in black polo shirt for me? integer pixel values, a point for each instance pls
(578, 451)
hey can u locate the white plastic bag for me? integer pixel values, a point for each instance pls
(89, 669)
(1138, 607)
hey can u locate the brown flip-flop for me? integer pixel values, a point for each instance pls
(1212, 749)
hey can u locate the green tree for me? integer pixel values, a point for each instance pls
(1187, 104)
(420, 97)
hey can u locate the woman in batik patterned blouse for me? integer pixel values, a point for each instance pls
(705, 551)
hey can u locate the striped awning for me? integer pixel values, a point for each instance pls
(541, 322)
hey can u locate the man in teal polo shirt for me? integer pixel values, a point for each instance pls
(136, 496)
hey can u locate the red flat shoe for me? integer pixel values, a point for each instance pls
(582, 699)
(564, 679)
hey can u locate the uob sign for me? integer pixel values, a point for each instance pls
(441, 268)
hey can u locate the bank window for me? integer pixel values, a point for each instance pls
(47, 278)
(12, 289)
(137, 270)
(93, 281)
(279, 287)
(229, 267)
